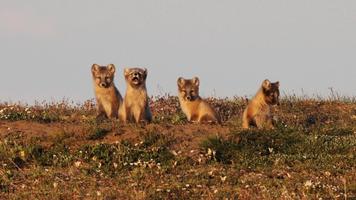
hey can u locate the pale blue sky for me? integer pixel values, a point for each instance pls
(47, 47)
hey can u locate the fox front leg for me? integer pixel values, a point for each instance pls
(100, 112)
(123, 114)
(138, 115)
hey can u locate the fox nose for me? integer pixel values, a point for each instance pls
(136, 74)
(102, 85)
(189, 98)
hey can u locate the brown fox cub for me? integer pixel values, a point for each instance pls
(193, 106)
(135, 106)
(108, 98)
(257, 112)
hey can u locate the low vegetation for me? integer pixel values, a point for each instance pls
(59, 151)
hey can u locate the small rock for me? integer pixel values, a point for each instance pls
(174, 153)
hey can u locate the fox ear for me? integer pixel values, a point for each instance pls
(126, 71)
(145, 72)
(95, 68)
(196, 81)
(266, 84)
(180, 82)
(277, 84)
(111, 68)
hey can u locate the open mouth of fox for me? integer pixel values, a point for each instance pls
(135, 80)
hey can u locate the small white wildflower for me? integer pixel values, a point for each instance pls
(55, 185)
(270, 150)
(22, 154)
(115, 165)
(223, 178)
(210, 152)
(77, 164)
(308, 183)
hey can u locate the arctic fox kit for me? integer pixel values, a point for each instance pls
(193, 106)
(108, 98)
(258, 112)
(136, 103)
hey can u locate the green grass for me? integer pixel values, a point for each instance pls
(258, 149)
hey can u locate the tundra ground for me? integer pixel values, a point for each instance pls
(59, 151)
